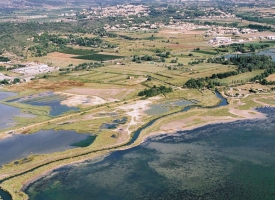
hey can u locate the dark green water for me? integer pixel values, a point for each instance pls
(223, 161)
(4, 195)
(85, 143)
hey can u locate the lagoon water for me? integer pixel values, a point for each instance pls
(47, 99)
(7, 113)
(222, 161)
(42, 142)
(56, 107)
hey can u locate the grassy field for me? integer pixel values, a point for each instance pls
(244, 77)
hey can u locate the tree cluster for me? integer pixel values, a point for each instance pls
(5, 82)
(251, 63)
(154, 91)
(259, 27)
(196, 62)
(50, 43)
(199, 83)
(4, 59)
(262, 77)
(87, 66)
(139, 59)
(244, 64)
(223, 75)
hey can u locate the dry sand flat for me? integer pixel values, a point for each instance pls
(183, 124)
(199, 121)
(84, 100)
(271, 77)
(135, 111)
(59, 59)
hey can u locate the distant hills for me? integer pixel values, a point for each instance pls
(39, 3)
(4, 4)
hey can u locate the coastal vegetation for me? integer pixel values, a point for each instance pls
(154, 91)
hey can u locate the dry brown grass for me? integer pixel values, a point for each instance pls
(106, 93)
(44, 84)
(59, 59)
(271, 77)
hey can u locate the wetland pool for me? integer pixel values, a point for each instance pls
(49, 99)
(221, 161)
(7, 113)
(45, 141)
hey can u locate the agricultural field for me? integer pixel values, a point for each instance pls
(242, 78)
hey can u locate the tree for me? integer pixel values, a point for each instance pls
(16, 80)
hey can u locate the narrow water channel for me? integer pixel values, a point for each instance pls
(223, 102)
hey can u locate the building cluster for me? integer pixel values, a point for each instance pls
(216, 41)
(133, 26)
(222, 35)
(31, 70)
(28, 71)
(115, 11)
(213, 13)
(173, 24)
(221, 31)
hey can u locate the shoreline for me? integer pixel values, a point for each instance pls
(138, 110)
(258, 116)
(190, 128)
(47, 172)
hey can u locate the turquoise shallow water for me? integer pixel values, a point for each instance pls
(222, 161)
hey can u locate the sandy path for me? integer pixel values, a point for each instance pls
(135, 111)
(182, 124)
